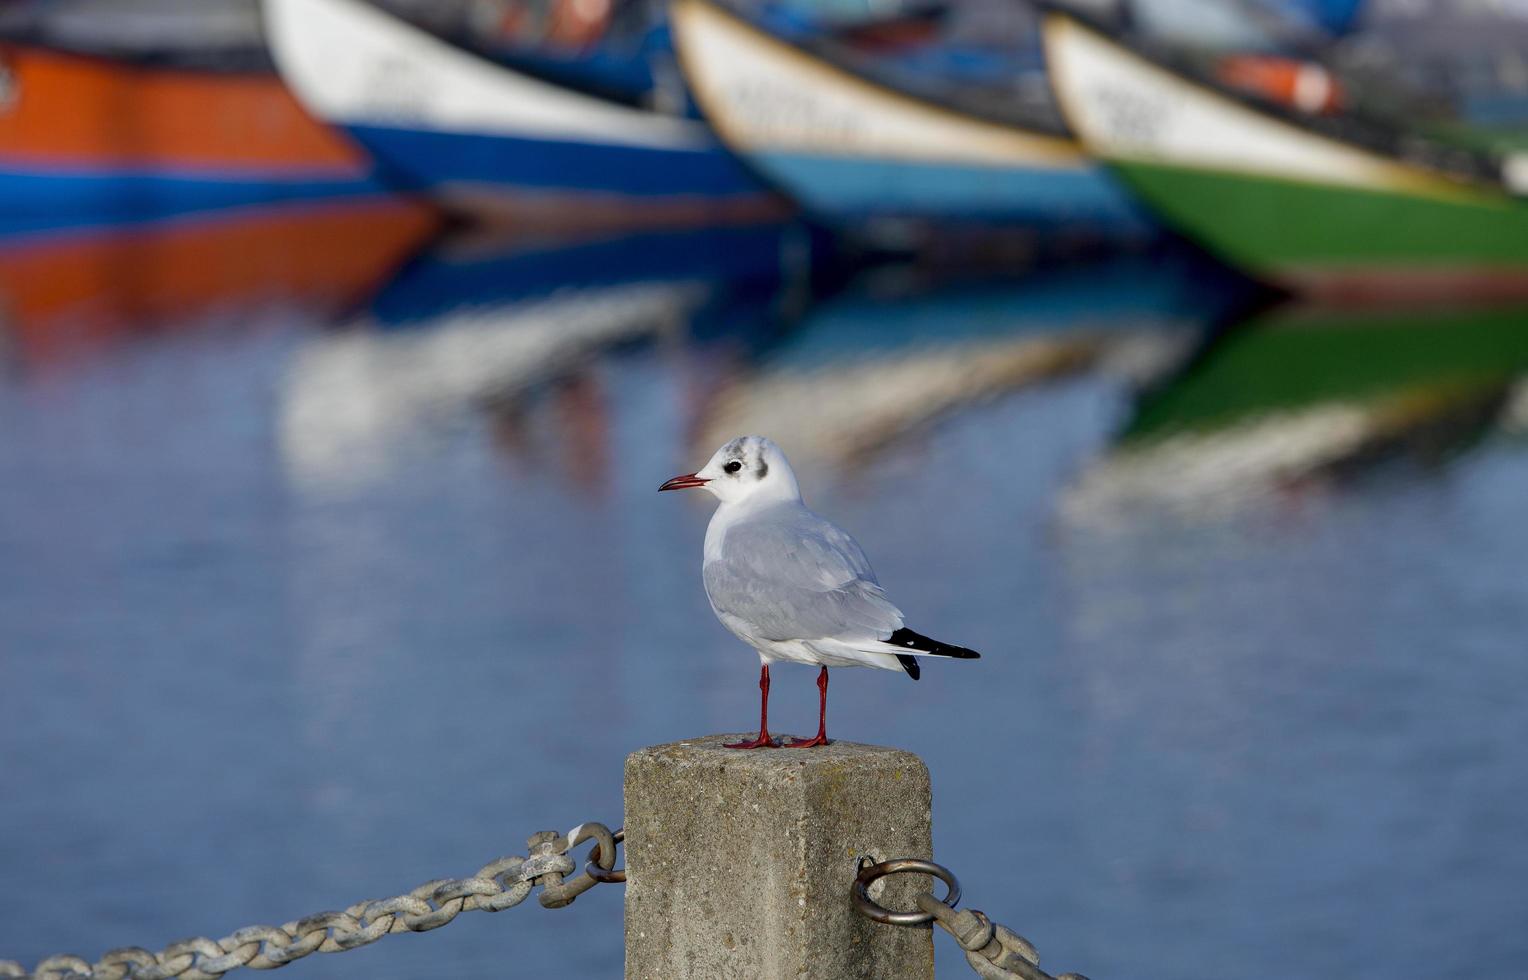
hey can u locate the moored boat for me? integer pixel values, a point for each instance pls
(1327, 204)
(857, 150)
(482, 137)
(86, 140)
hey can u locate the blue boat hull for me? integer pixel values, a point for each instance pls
(858, 189)
(556, 170)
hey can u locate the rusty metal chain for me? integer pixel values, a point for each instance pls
(498, 885)
(994, 951)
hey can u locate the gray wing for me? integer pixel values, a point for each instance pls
(795, 576)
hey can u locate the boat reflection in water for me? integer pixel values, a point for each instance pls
(497, 319)
(897, 349)
(1301, 398)
(65, 295)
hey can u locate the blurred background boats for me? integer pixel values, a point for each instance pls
(1327, 200)
(99, 125)
(1230, 25)
(209, 33)
(480, 136)
(1461, 66)
(878, 143)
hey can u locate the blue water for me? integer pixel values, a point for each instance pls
(296, 610)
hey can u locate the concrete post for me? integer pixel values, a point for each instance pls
(739, 863)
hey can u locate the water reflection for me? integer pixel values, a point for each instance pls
(1299, 400)
(318, 526)
(900, 347)
(68, 295)
(504, 322)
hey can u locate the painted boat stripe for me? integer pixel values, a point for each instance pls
(635, 171)
(1368, 283)
(49, 201)
(97, 168)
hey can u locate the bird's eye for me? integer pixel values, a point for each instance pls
(733, 466)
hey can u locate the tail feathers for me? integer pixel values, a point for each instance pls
(926, 647)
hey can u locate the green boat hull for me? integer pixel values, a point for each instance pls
(1322, 238)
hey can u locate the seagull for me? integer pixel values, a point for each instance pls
(793, 585)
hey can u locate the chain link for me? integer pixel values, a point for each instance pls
(994, 951)
(496, 886)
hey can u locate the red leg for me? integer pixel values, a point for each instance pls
(763, 741)
(822, 717)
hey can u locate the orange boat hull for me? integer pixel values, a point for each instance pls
(85, 140)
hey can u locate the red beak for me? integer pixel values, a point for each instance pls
(688, 481)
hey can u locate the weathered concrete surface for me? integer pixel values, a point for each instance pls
(739, 863)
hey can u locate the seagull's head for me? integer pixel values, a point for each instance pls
(748, 468)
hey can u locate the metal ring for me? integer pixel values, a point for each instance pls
(613, 876)
(606, 876)
(878, 913)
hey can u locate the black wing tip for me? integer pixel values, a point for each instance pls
(905, 637)
(909, 664)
